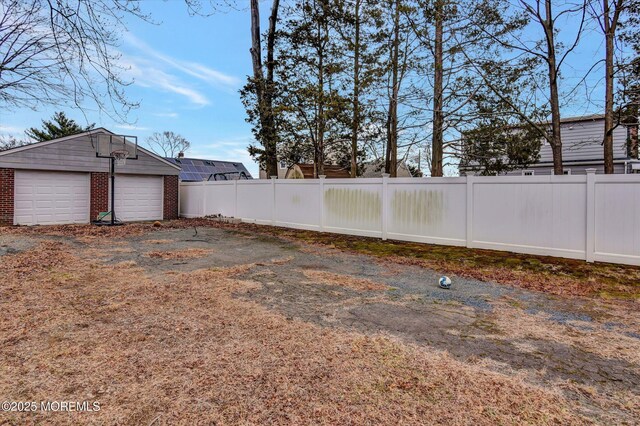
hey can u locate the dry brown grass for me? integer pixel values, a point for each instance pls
(330, 278)
(161, 241)
(88, 231)
(609, 343)
(179, 255)
(180, 349)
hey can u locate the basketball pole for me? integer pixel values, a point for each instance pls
(113, 191)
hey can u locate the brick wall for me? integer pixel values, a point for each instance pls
(170, 197)
(99, 193)
(6, 196)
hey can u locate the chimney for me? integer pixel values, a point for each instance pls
(181, 154)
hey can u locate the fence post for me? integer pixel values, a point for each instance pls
(470, 181)
(203, 206)
(322, 177)
(235, 204)
(273, 201)
(385, 207)
(591, 215)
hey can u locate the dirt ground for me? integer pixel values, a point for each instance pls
(197, 323)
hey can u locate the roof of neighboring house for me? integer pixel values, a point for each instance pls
(330, 171)
(577, 119)
(198, 169)
(375, 169)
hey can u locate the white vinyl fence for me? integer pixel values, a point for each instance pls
(591, 217)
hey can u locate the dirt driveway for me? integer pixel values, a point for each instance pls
(185, 324)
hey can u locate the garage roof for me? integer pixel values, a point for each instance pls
(77, 153)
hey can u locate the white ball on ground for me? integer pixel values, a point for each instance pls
(445, 282)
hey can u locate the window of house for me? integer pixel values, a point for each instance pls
(528, 173)
(283, 164)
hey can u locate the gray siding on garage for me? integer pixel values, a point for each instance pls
(79, 154)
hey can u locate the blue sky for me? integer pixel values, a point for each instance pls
(187, 72)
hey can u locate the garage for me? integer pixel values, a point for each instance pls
(67, 180)
(139, 197)
(46, 198)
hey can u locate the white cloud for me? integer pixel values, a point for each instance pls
(131, 127)
(146, 74)
(10, 130)
(194, 69)
(166, 114)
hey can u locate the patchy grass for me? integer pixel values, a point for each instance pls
(329, 278)
(191, 253)
(158, 242)
(179, 348)
(542, 273)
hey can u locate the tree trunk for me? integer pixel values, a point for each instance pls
(554, 99)
(320, 120)
(356, 94)
(610, 24)
(391, 164)
(264, 88)
(271, 136)
(438, 118)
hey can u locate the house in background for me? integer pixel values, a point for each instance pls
(282, 170)
(199, 170)
(582, 148)
(375, 169)
(305, 171)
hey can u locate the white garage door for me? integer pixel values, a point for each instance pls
(139, 197)
(48, 198)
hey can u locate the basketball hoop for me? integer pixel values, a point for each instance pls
(120, 157)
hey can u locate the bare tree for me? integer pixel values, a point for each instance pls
(168, 144)
(63, 52)
(10, 142)
(608, 19)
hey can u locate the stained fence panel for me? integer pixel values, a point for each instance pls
(430, 211)
(353, 206)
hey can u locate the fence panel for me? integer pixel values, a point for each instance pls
(254, 200)
(543, 215)
(298, 204)
(220, 199)
(617, 219)
(191, 196)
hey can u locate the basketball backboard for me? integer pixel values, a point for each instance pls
(107, 145)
